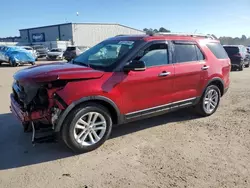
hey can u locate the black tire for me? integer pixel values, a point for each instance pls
(13, 63)
(67, 131)
(241, 67)
(200, 109)
(32, 63)
(247, 66)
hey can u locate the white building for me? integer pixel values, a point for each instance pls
(81, 34)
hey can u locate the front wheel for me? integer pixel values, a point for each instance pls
(13, 63)
(209, 101)
(87, 127)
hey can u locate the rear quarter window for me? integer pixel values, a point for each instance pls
(218, 50)
(231, 50)
(71, 48)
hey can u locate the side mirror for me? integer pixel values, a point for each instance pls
(135, 66)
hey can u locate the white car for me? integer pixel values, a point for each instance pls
(31, 50)
(55, 53)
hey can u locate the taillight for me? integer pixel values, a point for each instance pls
(237, 55)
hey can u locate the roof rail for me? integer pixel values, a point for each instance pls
(120, 35)
(184, 34)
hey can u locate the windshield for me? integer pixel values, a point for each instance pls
(105, 54)
(56, 50)
(38, 47)
(231, 50)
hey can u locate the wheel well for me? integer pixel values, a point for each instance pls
(110, 108)
(219, 84)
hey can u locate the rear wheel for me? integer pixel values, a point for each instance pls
(247, 65)
(241, 67)
(87, 127)
(209, 101)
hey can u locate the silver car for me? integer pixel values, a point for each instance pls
(3, 57)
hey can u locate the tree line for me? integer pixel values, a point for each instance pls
(149, 31)
(235, 41)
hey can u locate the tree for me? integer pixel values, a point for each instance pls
(162, 29)
(235, 41)
(243, 37)
(152, 31)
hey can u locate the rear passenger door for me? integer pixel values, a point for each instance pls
(190, 70)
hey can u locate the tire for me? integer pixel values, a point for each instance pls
(32, 63)
(241, 67)
(201, 106)
(72, 136)
(13, 63)
(247, 66)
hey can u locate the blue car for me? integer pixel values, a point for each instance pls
(15, 55)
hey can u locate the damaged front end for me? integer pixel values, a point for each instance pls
(36, 104)
(35, 97)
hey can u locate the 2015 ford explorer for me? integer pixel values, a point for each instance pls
(122, 79)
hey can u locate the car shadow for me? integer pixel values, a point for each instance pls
(6, 65)
(176, 116)
(17, 150)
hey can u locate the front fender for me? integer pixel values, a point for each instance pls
(82, 100)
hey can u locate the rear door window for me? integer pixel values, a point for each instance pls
(231, 50)
(185, 53)
(200, 55)
(218, 50)
(71, 48)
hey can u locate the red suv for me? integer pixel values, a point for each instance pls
(122, 79)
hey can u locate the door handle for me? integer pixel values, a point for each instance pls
(164, 74)
(205, 67)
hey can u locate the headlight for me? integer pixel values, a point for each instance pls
(14, 82)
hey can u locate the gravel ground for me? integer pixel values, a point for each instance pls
(173, 150)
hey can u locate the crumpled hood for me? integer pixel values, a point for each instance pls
(57, 71)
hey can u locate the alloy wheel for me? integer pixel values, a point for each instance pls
(211, 100)
(90, 128)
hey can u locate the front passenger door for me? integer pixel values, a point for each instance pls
(153, 87)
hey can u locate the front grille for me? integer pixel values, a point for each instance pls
(53, 56)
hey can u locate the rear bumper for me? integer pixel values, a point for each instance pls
(41, 54)
(54, 57)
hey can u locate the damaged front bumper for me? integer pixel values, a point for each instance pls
(27, 117)
(33, 103)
